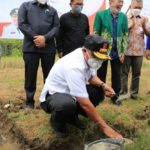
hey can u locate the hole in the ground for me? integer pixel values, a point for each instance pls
(145, 114)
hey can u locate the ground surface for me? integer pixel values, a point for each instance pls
(31, 128)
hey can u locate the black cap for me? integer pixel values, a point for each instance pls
(94, 42)
(98, 45)
(14, 12)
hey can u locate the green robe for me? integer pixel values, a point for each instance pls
(103, 26)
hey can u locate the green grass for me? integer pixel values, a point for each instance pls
(35, 124)
(11, 62)
(142, 142)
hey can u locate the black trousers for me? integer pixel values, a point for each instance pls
(115, 74)
(64, 108)
(31, 61)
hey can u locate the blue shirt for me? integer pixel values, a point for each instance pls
(114, 52)
(148, 43)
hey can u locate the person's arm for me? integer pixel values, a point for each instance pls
(146, 26)
(76, 83)
(59, 38)
(97, 24)
(54, 30)
(131, 20)
(109, 92)
(124, 38)
(87, 26)
(23, 24)
(92, 113)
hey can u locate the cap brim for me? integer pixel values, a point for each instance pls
(101, 56)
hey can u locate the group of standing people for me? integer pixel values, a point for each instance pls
(76, 82)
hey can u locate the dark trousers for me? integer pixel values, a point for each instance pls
(135, 63)
(115, 74)
(31, 61)
(64, 108)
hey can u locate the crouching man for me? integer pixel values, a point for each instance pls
(66, 92)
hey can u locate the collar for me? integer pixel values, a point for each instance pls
(109, 12)
(73, 15)
(35, 2)
(138, 16)
(131, 16)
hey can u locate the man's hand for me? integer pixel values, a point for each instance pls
(108, 131)
(92, 113)
(147, 54)
(121, 57)
(60, 54)
(39, 41)
(131, 23)
(109, 92)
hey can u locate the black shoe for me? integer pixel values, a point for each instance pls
(115, 100)
(134, 97)
(59, 128)
(77, 123)
(30, 105)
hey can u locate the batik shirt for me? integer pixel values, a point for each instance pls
(136, 45)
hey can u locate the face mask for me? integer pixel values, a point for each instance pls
(77, 9)
(94, 63)
(136, 12)
(43, 2)
(114, 10)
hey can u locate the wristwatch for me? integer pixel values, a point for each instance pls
(102, 84)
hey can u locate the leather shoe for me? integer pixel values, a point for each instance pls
(116, 101)
(134, 97)
(58, 127)
(30, 105)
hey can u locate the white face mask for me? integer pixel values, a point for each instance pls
(94, 63)
(136, 12)
(43, 2)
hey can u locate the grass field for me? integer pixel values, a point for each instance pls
(132, 119)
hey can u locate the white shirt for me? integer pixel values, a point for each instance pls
(68, 75)
(12, 32)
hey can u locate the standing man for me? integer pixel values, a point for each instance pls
(74, 27)
(39, 24)
(138, 26)
(66, 94)
(113, 25)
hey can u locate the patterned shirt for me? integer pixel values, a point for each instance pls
(136, 45)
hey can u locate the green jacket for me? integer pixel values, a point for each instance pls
(103, 27)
